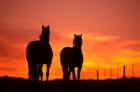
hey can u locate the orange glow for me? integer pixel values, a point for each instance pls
(110, 34)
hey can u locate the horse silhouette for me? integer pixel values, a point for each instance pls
(38, 53)
(72, 57)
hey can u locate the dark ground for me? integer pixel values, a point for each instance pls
(9, 84)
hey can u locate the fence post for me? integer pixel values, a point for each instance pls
(124, 72)
(117, 71)
(97, 73)
(132, 70)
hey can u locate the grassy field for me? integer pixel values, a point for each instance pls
(9, 84)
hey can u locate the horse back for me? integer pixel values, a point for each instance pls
(32, 51)
(39, 51)
(65, 55)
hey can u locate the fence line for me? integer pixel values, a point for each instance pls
(124, 72)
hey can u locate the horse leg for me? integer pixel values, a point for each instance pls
(69, 72)
(29, 72)
(79, 71)
(47, 73)
(73, 71)
(40, 73)
(65, 72)
(34, 71)
(37, 71)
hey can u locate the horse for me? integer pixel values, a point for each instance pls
(38, 53)
(72, 57)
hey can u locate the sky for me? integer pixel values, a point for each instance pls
(110, 32)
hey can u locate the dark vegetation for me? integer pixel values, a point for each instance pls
(10, 84)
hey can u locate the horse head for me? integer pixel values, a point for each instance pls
(77, 42)
(45, 33)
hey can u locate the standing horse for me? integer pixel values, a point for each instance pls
(39, 53)
(72, 57)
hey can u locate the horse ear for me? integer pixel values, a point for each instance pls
(48, 27)
(74, 35)
(43, 26)
(81, 35)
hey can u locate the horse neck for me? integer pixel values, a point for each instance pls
(44, 42)
(77, 48)
(44, 39)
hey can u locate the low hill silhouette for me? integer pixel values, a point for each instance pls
(11, 84)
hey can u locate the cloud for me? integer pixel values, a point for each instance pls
(11, 51)
(7, 69)
(110, 49)
(96, 37)
(13, 43)
(134, 45)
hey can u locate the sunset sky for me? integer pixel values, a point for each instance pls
(110, 28)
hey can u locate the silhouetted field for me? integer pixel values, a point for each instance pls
(9, 84)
